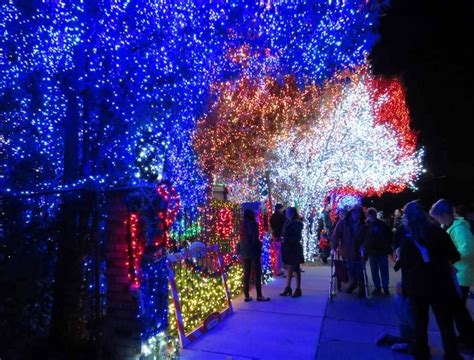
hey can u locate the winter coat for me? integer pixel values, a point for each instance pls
(326, 216)
(349, 239)
(398, 235)
(428, 281)
(291, 248)
(250, 246)
(277, 221)
(463, 239)
(397, 222)
(380, 242)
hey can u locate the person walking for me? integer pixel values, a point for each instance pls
(459, 231)
(277, 221)
(311, 218)
(250, 250)
(378, 249)
(292, 251)
(426, 257)
(351, 235)
(397, 220)
(340, 216)
(326, 216)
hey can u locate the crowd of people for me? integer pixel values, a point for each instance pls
(434, 252)
(436, 257)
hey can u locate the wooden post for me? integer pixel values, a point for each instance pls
(123, 326)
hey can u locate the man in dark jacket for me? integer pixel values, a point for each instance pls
(351, 235)
(277, 221)
(378, 249)
(250, 251)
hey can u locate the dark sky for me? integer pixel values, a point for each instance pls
(429, 44)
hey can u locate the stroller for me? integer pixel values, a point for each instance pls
(339, 275)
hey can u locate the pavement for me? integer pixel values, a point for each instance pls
(308, 327)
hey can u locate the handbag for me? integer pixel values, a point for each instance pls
(340, 270)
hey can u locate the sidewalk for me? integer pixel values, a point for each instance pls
(351, 327)
(307, 327)
(284, 328)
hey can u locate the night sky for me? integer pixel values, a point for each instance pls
(429, 44)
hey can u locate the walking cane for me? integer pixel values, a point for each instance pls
(366, 279)
(332, 291)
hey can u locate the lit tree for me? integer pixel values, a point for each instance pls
(359, 142)
(98, 93)
(288, 46)
(232, 140)
(132, 77)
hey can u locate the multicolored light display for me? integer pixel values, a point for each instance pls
(130, 78)
(233, 139)
(349, 146)
(202, 295)
(198, 282)
(108, 94)
(349, 136)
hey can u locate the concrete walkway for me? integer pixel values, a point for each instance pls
(283, 328)
(351, 327)
(307, 327)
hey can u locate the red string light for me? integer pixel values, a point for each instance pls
(136, 249)
(224, 223)
(168, 215)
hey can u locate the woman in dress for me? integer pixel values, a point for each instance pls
(292, 251)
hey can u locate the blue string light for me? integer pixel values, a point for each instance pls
(267, 271)
(153, 297)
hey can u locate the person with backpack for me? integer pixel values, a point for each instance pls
(459, 231)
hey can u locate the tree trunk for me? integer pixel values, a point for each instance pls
(67, 325)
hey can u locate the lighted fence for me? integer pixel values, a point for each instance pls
(204, 280)
(198, 280)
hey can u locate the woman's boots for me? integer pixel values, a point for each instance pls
(297, 293)
(286, 292)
